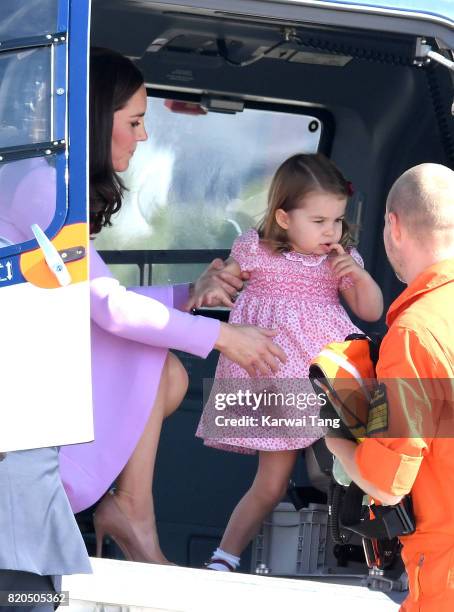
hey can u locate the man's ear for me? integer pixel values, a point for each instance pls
(395, 227)
(281, 218)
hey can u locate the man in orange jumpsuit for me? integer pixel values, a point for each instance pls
(416, 366)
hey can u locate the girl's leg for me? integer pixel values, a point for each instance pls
(268, 488)
(134, 494)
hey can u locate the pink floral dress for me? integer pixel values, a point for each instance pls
(298, 295)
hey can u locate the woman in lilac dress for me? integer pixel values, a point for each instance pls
(137, 382)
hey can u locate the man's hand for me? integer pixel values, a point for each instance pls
(345, 451)
(343, 264)
(251, 348)
(220, 282)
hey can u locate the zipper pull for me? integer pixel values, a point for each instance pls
(52, 256)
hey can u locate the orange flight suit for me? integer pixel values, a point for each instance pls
(416, 365)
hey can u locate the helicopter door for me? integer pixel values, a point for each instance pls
(45, 379)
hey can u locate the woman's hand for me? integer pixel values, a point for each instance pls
(220, 282)
(251, 348)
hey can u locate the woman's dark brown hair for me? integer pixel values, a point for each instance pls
(298, 176)
(113, 80)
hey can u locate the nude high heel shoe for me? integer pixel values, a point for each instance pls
(110, 520)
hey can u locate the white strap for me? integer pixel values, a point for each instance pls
(346, 365)
(52, 256)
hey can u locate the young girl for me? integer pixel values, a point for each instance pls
(300, 260)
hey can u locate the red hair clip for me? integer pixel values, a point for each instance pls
(350, 190)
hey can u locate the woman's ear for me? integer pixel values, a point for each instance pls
(281, 218)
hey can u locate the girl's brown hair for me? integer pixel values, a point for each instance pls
(298, 176)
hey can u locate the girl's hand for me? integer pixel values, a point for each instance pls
(251, 347)
(343, 264)
(364, 297)
(220, 282)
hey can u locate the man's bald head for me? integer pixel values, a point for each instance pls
(423, 199)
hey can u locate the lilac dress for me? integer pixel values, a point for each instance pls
(132, 330)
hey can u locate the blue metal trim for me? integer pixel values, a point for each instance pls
(60, 93)
(10, 273)
(78, 86)
(63, 15)
(10, 255)
(61, 210)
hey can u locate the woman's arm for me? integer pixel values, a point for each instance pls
(137, 316)
(220, 282)
(143, 319)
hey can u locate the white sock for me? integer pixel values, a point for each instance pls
(225, 556)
